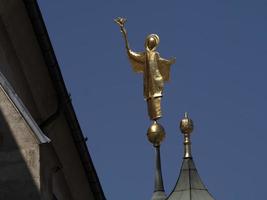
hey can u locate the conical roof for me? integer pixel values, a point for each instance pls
(189, 185)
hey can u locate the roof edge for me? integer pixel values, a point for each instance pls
(10, 92)
(42, 36)
(188, 166)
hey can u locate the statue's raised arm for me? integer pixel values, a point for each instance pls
(156, 70)
(137, 59)
(121, 22)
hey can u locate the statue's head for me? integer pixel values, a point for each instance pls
(152, 42)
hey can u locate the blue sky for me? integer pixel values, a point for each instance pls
(220, 78)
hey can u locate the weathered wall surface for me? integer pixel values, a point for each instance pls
(72, 166)
(53, 182)
(29, 165)
(19, 155)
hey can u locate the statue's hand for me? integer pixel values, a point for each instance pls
(120, 21)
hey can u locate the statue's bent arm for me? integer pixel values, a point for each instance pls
(167, 61)
(165, 67)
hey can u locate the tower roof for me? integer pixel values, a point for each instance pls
(189, 185)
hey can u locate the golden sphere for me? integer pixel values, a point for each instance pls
(186, 125)
(155, 134)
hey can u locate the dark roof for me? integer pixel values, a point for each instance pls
(39, 28)
(37, 132)
(189, 185)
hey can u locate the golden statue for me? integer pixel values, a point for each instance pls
(156, 70)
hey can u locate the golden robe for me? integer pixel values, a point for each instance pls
(156, 71)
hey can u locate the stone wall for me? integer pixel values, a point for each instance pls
(19, 155)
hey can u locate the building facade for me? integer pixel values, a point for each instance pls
(43, 153)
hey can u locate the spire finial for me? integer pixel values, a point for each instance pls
(155, 135)
(186, 127)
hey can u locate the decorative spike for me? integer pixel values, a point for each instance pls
(186, 126)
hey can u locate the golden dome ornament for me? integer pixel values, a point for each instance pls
(155, 133)
(186, 127)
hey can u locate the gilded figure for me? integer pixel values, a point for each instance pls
(156, 70)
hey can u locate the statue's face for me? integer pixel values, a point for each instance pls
(152, 42)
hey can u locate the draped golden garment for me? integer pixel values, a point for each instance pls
(156, 71)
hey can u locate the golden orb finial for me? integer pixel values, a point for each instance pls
(186, 124)
(155, 133)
